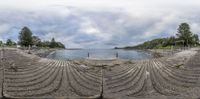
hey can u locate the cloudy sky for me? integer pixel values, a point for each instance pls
(97, 23)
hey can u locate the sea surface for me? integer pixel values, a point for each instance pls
(101, 54)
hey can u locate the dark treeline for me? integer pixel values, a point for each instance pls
(9, 43)
(26, 39)
(184, 38)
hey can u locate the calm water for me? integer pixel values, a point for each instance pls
(99, 54)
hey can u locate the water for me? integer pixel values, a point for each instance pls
(99, 54)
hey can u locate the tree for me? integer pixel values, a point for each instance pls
(45, 44)
(25, 37)
(169, 41)
(53, 43)
(1, 43)
(195, 39)
(9, 42)
(185, 34)
(60, 45)
(36, 41)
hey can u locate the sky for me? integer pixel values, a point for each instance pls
(98, 23)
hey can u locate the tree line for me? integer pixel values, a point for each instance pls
(9, 43)
(26, 39)
(184, 38)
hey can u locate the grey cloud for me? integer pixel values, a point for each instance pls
(115, 28)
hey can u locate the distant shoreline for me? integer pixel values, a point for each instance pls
(73, 48)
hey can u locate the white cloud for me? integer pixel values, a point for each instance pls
(90, 27)
(195, 27)
(4, 28)
(134, 5)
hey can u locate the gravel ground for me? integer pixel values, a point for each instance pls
(158, 78)
(0, 82)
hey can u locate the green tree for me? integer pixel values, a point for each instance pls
(195, 39)
(60, 45)
(36, 41)
(185, 34)
(169, 41)
(25, 37)
(45, 44)
(9, 42)
(1, 43)
(53, 43)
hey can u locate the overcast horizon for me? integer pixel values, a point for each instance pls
(97, 23)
